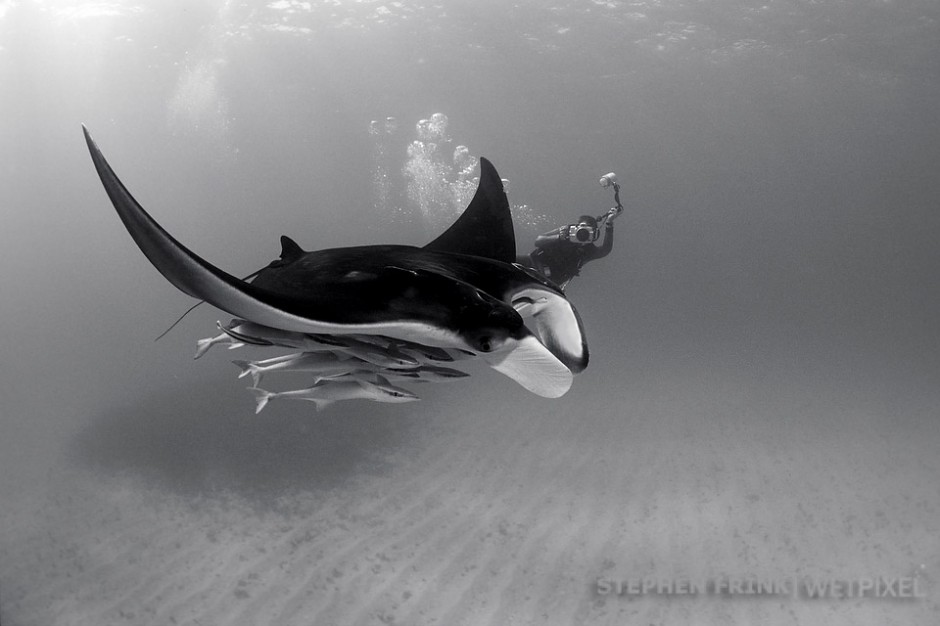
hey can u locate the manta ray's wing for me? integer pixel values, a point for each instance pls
(485, 227)
(331, 310)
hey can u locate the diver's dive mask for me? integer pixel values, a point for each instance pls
(582, 233)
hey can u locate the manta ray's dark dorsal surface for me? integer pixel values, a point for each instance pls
(379, 290)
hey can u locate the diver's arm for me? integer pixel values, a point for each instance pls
(551, 236)
(604, 249)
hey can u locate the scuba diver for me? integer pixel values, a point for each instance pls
(561, 253)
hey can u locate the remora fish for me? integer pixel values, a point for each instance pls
(236, 334)
(327, 391)
(370, 352)
(423, 374)
(203, 345)
(257, 334)
(321, 363)
(351, 347)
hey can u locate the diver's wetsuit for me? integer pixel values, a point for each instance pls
(560, 259)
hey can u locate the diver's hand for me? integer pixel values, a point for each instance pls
(613, 213)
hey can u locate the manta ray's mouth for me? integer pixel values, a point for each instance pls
(557, 325)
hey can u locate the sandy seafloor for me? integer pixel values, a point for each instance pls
(485, 517)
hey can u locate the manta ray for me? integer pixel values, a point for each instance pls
(462, 291)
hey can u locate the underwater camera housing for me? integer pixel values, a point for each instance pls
(582, 233)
